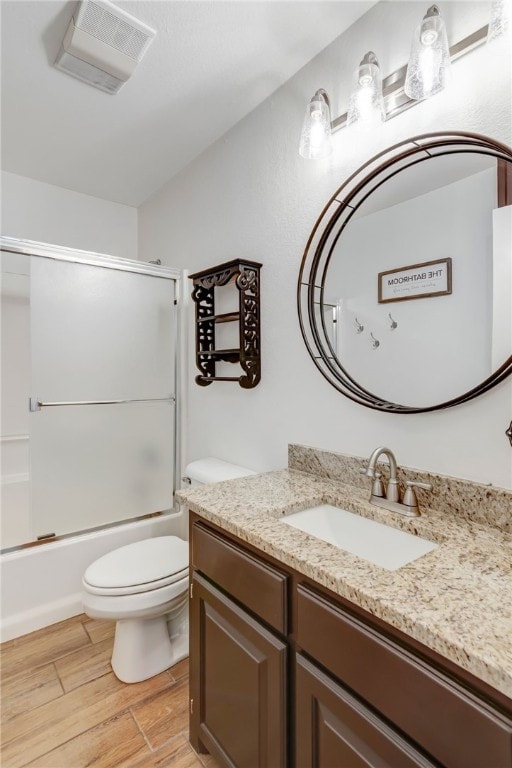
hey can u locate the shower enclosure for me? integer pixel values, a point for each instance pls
(88, 431)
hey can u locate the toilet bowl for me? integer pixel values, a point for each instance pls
(144, 588)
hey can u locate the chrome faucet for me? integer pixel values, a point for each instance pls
(390, 499)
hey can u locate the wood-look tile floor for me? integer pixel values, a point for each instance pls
(63, 707)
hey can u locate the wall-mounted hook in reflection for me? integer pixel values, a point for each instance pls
(359, 327)
(392, 323)
(375, 342)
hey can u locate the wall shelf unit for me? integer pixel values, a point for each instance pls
(245, 275)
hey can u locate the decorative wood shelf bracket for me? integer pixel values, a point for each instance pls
(246, 277)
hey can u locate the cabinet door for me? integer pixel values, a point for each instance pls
(334, 730)
(237, 683)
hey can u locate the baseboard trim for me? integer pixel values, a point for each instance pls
(37, 618)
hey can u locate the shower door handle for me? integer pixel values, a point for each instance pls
(36, 405)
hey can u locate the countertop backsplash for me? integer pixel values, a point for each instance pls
(473, 502)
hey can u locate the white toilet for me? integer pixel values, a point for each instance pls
(144, 587)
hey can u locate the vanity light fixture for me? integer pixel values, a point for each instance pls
(404, 87)
(366, 105)
(500, 12)
(429, 62)
(315, 141)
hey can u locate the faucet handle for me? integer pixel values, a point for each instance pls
(410, 499)
(378, 485)
(415, 484)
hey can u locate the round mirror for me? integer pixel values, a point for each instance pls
(405, 286)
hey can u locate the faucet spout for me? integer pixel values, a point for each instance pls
(372, 461)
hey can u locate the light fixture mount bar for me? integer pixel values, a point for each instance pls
(369, 58)
(395, 98)
(432, 11)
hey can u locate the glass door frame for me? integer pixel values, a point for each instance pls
(63, 253)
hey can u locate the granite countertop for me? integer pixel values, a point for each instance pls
(456, 600)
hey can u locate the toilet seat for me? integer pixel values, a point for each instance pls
(153, 602)
(140, 567)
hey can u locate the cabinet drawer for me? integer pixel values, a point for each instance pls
(255, 584)
(435, 712)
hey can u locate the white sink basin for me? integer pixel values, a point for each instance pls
(380, 544)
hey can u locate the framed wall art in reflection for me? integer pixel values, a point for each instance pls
(418, 281)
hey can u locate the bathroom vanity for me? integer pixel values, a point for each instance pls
(305, 655)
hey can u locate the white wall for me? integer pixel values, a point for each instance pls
(250, 195)
(32, 210)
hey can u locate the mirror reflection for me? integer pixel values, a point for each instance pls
(428, 335)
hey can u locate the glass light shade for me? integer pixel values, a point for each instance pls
(366, 105)
(315, 140)
(498, 24)
(429, 63)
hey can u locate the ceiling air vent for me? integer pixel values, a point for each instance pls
(103, 45)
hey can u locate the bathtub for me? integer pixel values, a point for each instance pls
(42, 585)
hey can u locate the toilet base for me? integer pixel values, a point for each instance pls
(143, 648)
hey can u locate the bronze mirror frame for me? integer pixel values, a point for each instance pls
(329, 228)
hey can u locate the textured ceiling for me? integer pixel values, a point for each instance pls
(210, 64)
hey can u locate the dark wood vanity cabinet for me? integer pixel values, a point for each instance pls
(238, 666)
(284, 673)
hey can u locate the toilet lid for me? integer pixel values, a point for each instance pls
(143, 562)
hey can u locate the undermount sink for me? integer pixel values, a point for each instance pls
(382, 545)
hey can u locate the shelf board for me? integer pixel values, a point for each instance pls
(228, 317)
(228, 355)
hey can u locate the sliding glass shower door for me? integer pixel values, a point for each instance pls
(102, 395)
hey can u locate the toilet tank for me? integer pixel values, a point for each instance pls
(212, 470)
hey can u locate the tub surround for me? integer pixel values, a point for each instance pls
(456, 600)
